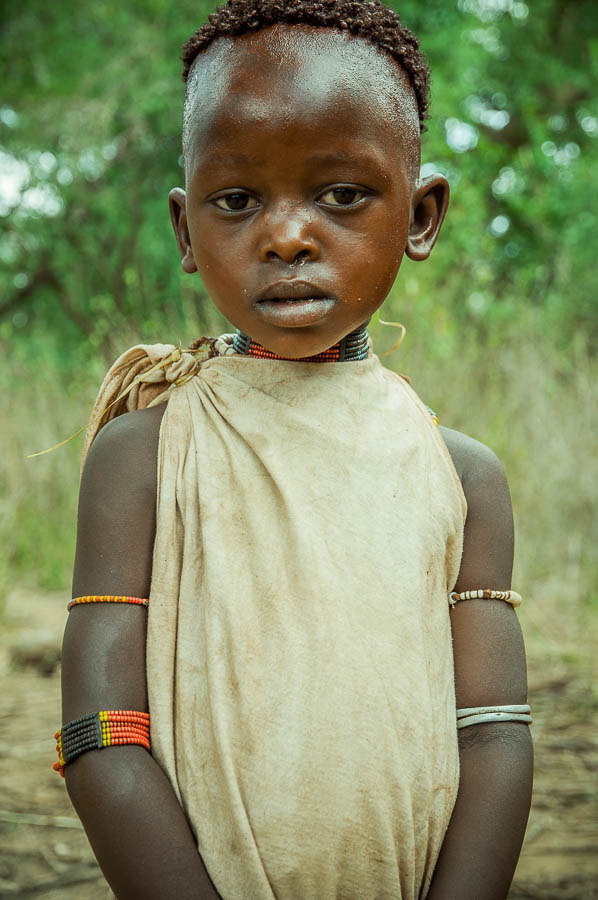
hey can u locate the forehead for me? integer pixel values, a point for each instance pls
(289, 81)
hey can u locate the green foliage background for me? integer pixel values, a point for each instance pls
(99, 89)
(502, 322)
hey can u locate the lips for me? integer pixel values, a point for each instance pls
(293, 290)
(294, 304)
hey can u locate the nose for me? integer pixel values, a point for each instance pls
(289, 237)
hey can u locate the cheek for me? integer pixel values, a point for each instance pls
(396, 228)
(387, 251)
(214, 257)
(213, 249)
(385, 248)
(395, 236)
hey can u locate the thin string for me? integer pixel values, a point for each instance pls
(396, 346)
(171, 358)
(195, 349)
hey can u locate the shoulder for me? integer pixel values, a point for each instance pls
(129, 432)
(488, 537)
(117, 507)
(126, 447)
(472, 460)
(481, 473)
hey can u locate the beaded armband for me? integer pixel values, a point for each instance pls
(107, 598)
(106, 728)
(476, 715)
(511, 597)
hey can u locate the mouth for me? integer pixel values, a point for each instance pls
(294, 304)
(292, 290)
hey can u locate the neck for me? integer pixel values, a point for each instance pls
(352, 347)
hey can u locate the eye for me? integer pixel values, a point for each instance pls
(342, 196)
(236, 201)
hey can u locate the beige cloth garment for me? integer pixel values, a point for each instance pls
(142, 376)
(299, 657)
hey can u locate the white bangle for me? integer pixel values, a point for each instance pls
(511, 597)
(476, 715)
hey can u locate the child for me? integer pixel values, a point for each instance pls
(301, 526)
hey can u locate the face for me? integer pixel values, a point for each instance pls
(302, 190)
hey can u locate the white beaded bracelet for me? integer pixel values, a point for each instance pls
(511, 597)
(475, 715)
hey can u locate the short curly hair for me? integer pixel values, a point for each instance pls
(367, 19)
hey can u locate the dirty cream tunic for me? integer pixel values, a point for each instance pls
(299, 659)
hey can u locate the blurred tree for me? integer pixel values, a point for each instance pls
(90, 143)
(515, 128)
(89, 146)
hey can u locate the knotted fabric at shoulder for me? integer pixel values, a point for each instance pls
(141, 377)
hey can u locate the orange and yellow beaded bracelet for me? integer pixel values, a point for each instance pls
(107, 598)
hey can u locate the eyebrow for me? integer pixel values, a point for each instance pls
(215, 159)
(361, 158)
(218, 160)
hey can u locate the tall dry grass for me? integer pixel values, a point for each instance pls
(533, 404)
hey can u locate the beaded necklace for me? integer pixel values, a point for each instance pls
(353, 346)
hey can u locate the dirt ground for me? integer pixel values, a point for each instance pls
(43, 849)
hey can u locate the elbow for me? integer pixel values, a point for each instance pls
(514, 736)
(96, 778)
(501, 753)
(82, 779)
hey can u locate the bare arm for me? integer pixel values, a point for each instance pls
(483, 841)
(135, 825)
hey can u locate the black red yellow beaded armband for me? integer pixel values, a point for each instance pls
(107, 598)
(107, 728)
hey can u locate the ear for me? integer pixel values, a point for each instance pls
(177, 202)
(430, 203)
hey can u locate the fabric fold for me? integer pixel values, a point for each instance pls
(309, 528)
(299, 656)
(139, 378)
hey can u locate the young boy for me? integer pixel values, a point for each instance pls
(297, 520)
